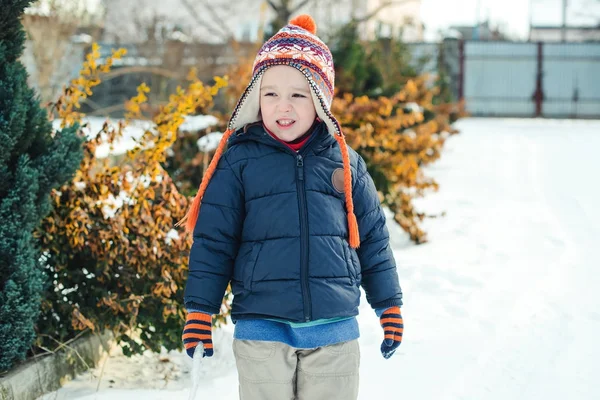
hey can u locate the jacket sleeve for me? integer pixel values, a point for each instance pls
(378, 267)
(217, 236)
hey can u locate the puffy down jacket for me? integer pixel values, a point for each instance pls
(274, 225)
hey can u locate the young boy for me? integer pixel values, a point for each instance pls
(292, 220)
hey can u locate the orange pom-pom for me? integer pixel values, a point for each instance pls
(305, 22)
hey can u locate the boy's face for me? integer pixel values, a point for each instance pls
(286, 104)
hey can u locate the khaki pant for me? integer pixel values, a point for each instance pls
(276, 371)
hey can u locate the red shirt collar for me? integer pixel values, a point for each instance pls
(296, 144)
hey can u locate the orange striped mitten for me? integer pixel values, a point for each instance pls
(198, 328)
(393, 326)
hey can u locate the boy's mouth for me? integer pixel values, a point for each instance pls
(285, 123)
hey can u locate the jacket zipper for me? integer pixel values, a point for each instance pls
(303, 219)
(303, 237)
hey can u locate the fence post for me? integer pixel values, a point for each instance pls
(461, 69)
(538, 95)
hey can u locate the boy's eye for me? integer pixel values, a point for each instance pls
(298, 95)
(271, 94)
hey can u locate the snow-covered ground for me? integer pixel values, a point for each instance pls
(135, 130)
(502, 303)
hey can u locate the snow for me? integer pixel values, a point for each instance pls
(172, 235)
(502, 302)
(209, 142)
(93, 125)
(132, 132)
(197, 122)
(413, 107)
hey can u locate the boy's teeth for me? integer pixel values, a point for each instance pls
(285, 122)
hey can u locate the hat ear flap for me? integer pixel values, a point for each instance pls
(247, 109)
(323, 115)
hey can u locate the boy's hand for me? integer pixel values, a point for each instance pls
(393, 326)
(198, 328)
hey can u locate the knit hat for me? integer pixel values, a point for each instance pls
(295, 45)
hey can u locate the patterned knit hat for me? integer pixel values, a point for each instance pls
(295, 45)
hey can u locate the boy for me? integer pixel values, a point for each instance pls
(292, 220)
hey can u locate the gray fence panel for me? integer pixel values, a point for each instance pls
(571, 80)
(500, 78)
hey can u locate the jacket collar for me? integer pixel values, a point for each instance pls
(255, 132)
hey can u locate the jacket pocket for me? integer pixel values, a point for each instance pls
(250, 265)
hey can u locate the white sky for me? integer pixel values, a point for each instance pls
(514, 15)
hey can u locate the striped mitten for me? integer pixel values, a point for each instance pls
(198, 328)
(391, 322)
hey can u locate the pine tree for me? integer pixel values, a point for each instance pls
(33, 161)
(350, 60)
(356, 66)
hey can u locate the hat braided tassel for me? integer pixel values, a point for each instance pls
(353, 234)
(192, 215)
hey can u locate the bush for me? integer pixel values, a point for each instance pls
(110, 245)
(397, 136)
(33, 160)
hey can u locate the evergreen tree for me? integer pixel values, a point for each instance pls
(350, 60)
(377, 67)
(33, 161)
(364, 67)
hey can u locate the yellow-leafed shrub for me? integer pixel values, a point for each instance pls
(397, 136)
(110, 248)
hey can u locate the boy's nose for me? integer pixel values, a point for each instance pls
(285, 106)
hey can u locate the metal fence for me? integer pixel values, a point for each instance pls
(499, 78)
(570, 80)
(558, 80)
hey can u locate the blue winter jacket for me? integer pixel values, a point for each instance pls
(273, 224)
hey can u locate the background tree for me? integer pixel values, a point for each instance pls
(356, 72)
(284, 9)
(33, 160)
